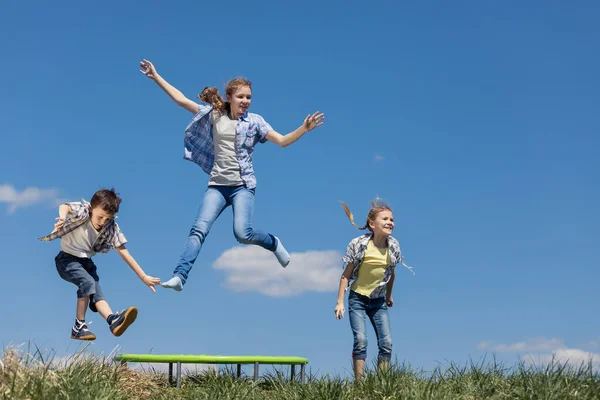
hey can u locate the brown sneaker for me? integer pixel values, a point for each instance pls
(122, 321)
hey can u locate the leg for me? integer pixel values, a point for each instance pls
(256, 371)
(358, 322)
(213, 204)
(378, 314)
(242, 201)
(82, 304)
(71, 269)
(103, 309)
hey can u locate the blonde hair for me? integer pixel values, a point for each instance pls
(212, 96)
(377, 206)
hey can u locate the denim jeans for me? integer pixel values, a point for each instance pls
(82, 273)
(359, 308)
(216, 199)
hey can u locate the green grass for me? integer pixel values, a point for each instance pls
(32, 375)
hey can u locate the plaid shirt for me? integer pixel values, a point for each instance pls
(110, 235)
(355, 253)
(199, 147)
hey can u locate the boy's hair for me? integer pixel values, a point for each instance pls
(212, 96)
(108, 200)
(377, 206)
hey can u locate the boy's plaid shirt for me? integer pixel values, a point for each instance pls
(355, 253)
(110, 235)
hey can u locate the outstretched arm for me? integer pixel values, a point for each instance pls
(128, 258)
(310, 123)
(339, 309)
(178, 97)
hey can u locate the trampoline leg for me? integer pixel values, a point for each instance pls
(256, 371)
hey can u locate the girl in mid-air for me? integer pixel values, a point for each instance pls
(221, 139)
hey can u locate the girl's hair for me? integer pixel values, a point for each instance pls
(212, 96)
(377, 206)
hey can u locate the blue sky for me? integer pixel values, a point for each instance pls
(477, 121)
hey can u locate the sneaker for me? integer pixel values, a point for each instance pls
(80, 331)
(123, 319)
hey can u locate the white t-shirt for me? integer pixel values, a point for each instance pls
(226, 168)
(80, 242)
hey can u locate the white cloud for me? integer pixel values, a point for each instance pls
(379, 157)
(534, 344)
(29, 196)
(573, 357)
(542, 351)
(254, 269)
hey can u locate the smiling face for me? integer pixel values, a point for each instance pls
(382, 224)
(240, 100)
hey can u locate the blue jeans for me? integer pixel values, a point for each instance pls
(82, 273)
(216, 199)
(359, 308)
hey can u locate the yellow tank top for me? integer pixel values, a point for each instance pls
(372, 269)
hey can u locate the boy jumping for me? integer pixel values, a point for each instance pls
(86, 229)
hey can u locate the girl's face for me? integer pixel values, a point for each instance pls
(383, 225)
(240, 100)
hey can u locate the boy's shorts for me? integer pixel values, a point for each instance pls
(81, 272)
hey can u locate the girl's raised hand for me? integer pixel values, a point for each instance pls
(313, 121)
(148, 69)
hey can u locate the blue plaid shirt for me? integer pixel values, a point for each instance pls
(355, 253)
(199, 147)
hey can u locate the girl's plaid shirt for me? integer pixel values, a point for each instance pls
(200, 149)
(110, 235)
(355, 253)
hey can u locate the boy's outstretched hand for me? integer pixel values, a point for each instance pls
(150, 281)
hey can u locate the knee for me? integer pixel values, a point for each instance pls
(359, 350)
(199, 230)
(87, 287)
(360, 342)
(243, 235)
(385, 345)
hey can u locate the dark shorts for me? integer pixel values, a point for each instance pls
(82, 273)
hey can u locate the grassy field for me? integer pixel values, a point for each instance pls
(30, 375)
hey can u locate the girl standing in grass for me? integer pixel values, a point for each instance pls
(221, 139)
(370, 262)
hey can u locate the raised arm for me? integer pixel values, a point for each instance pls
(178, 97)
(310, 123)
(63, 211)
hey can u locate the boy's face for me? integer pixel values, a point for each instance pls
(100, 217)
